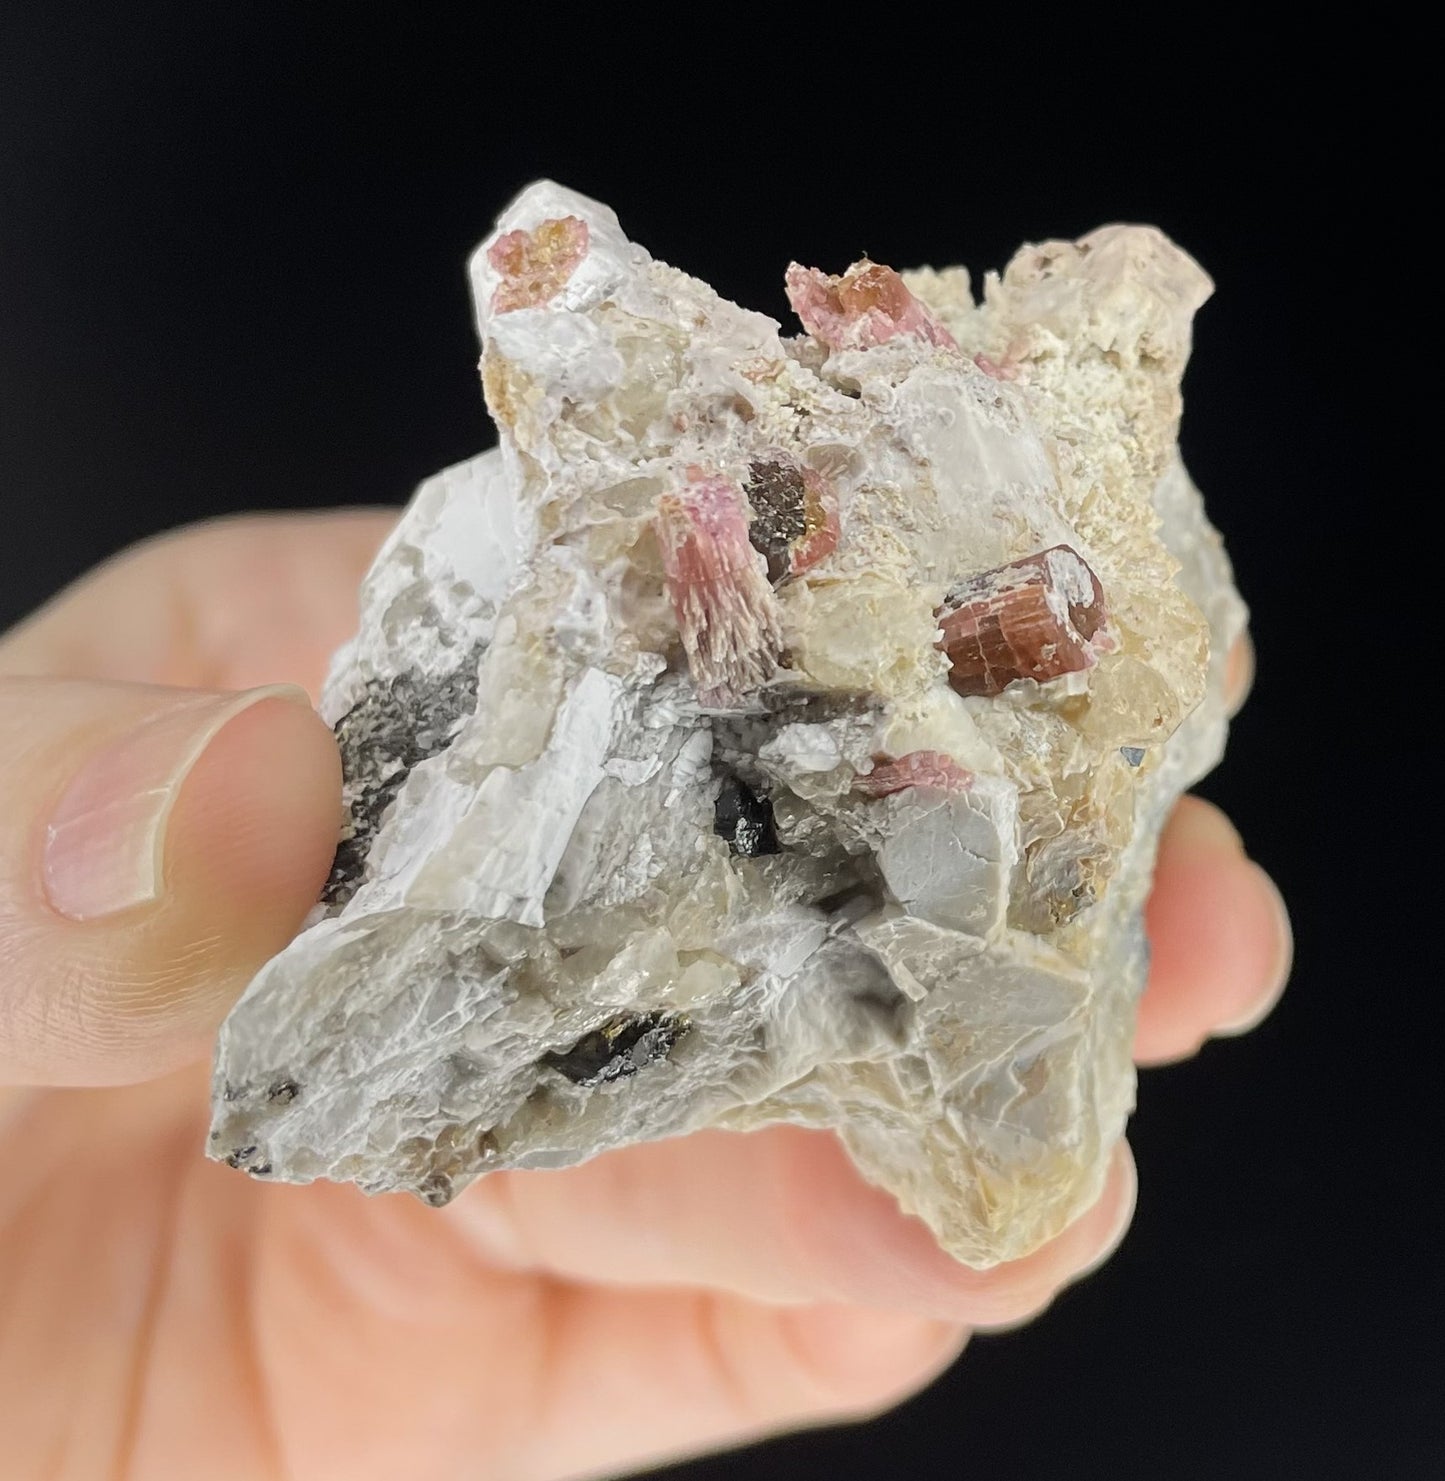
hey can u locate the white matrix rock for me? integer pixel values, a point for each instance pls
(770, 729)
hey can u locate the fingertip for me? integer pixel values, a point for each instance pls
(247, 848)
(1253, 1012)
(254, 829)
(1198, 828)
(1107, 1223)
(1239, 672)
(1220, 939)
(163, 844)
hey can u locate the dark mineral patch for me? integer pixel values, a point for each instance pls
(776, 491)
(436, 1190)
(744, 819)
(795, 515)
(397, 724)
(619, 1048)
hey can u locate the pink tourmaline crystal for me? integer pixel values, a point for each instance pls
(536, 264)
(1036, 618)
(725, 609)
(999, 370)
(868, 305)
(917, 769)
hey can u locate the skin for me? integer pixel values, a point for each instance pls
(162, 1316)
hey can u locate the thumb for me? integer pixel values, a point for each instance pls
(156, 846)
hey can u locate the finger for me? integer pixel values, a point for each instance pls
(589, 1380)
(225, 605)
(647, 1366)
(1239, 674)
(780, 1216)
(1220, 938)
(318, 1333)
(158, 846)
(663, 1376)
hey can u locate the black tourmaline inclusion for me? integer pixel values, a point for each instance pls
(744, 819)
(397, 723)
(619, 1048)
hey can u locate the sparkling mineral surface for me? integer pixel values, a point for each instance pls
(773, 728)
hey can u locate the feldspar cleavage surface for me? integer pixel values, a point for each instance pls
(773, 728)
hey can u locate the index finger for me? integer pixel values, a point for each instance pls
(231, 604)
(780, 1215)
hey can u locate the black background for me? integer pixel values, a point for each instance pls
(231, 276)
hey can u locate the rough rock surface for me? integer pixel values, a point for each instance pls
(771, 729)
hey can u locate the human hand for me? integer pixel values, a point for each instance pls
(161, 1317)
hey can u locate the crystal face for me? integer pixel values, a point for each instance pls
(773, 728)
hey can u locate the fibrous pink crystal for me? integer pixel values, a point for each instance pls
(725, 610)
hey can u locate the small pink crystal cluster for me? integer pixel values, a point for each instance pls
(868, 305)
(535, 265)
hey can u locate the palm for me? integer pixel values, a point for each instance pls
(655, 1301)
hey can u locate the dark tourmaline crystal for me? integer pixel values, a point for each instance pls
(619, 1048)
(744, 819)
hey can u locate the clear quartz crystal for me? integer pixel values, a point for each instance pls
(769, 729)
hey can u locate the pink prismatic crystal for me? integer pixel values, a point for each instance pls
(1037, 618)
(999, 370)
(725, 609)
(536, 264)
(868, 305)
(933, 769)
(794, 521)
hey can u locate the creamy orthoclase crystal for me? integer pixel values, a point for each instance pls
(773, 728)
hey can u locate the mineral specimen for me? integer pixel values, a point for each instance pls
(771, 729)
